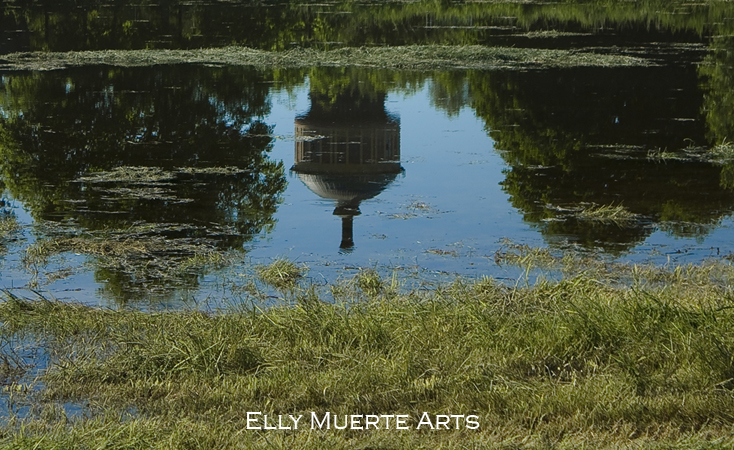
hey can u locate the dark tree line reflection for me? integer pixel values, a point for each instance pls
(179, 153)
(627, 137)
(717, 73)
(63, 25)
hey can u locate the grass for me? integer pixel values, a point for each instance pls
(129, 174)
(524, 256)
(582, 362)
(415, 57)
(142, 175)
(442, 252)
(723, 152)
(370, 282)
(281, 274)
(660, 155)
(8, 224)
(616, 214)
(39, 252)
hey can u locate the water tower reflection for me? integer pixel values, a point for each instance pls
(348, 151)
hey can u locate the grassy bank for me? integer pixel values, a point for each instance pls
(416, 57)
(599, 359)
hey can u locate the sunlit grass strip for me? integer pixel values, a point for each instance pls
(416, 57)
(578, 362)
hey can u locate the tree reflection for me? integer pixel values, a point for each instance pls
(63, 25)
(718, 76)
(584, 137)
(174, 157)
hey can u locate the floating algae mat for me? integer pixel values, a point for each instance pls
(423, 57)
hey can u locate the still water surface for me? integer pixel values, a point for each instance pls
(165, 184)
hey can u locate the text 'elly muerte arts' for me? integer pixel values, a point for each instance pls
(256, 420)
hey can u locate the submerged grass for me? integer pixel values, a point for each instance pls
(8, 224)
(524, 256)
(9, 227)
(143, 254)
(580, 362)
(595, 214)
(415, 57)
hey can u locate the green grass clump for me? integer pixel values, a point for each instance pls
(582, 362)
(8, 224)
(723, 152)
(281, 273)
(616, 214)
(369, 282)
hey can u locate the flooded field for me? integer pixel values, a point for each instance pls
(138, 178)
(515, 212)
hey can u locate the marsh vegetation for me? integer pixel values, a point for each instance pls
(588, 360)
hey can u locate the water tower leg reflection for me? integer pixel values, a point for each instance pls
(347, 214)
(348, 151)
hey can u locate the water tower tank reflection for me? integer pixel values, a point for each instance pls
(347, 154)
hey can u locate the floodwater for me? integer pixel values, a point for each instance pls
(164, 185)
